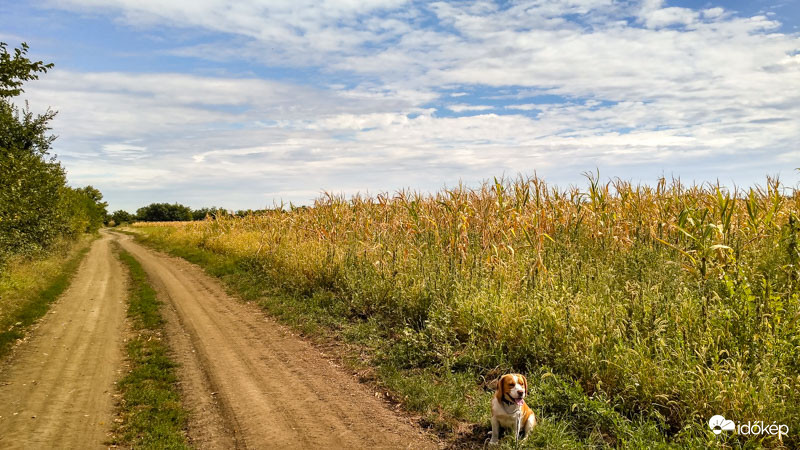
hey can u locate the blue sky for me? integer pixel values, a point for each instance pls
(248, 103)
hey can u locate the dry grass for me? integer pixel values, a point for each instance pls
(673, 303)
(29, 284)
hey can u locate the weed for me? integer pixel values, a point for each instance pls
(654, 307)
(28, 286)
(150, 409)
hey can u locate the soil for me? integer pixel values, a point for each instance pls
(57, 388)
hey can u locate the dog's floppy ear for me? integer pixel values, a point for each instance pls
(524, 383)
(500, 386)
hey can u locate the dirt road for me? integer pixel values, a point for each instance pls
(56, 390)
(251, 384)
(247, 382)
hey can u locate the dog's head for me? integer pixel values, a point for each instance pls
(512, 388)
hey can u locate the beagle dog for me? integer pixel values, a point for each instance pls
(509, 409)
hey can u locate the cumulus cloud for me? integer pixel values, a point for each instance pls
(629, 86)
(524, 106)
(462, 107)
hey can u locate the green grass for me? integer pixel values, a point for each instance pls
(455, 404)
(637, 312)
(29, 286)
(150, 409)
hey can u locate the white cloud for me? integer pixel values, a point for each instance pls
(125, 151)
(462, 107)
(288, 31)
(644, 85)
(524, 107)
(713, 13)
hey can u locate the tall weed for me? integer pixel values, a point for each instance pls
(668, 303)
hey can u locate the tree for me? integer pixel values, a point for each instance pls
(164, 212)
(30, 180)
(213, 212)
(83, 209)
(121, 216)
(18, 69)
(36, 205)
(97, 208)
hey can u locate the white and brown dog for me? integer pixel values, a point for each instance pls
(509, 409)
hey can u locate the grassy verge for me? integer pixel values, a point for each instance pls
(28, 287)
(151, 411)
(453, 401)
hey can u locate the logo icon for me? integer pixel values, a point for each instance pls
(718, 424)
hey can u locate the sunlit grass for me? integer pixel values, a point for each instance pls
(150, 407)
(28, 285)
(670, 303)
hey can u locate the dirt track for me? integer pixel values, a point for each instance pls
(56, 391)
(247, 382)
(251, 384)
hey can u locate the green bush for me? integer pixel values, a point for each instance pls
(120, 217)
(36, 205)
(163, 212)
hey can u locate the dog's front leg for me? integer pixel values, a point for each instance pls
(526, 429)
(517, 426)
(495, 432)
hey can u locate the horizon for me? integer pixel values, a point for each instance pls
(738, 191)
(242, 107)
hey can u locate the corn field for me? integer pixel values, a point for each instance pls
(674, 302)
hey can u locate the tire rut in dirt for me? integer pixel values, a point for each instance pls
(56, 390)
(275, 389)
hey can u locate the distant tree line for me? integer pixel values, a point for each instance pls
(172, 212)
(37, 208)
(165, 212)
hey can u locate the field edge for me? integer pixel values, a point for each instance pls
(46, 291)
(453, 405)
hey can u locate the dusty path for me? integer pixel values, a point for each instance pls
(251, 384)
(56, 390)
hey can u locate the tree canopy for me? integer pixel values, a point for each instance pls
(164, 212)
(120, 216)
(36, 205)
(16, 69)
